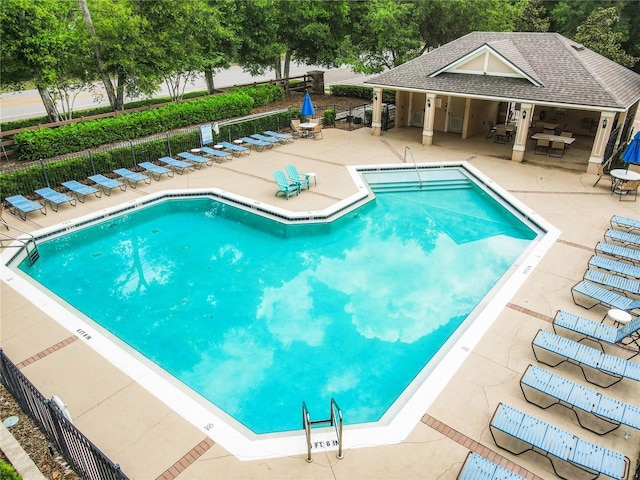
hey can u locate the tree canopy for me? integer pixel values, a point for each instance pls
(133, 45)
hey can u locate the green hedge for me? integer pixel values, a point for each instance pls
(354, 91)
(50, 142)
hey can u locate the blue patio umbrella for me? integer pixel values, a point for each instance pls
(632, 152)
(307, 107)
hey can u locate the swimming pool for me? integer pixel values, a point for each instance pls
(280, 300)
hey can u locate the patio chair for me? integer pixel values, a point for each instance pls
(259, 145)
(625, 223)
(316, 132)
(301, 180)
(178, 166)
(618, 283)
(81, 190)
(284, 186)
(21, 206)
(501, 135)
(156, 171)
(627, 190)
(621, 253)
(556, 149)
(599, 332)
(615, 266)
(197, 160)
(132, 178)
(492, 129)
(624, 238)
(562, 448)
(542, 146)
(218, 155)
(602, 296)
(284, 138)
(603, 172)
(107, 184)
(597, 367)
(236, 150)
(594, 411)
(295, 128)
(54, 198)
(476, 467)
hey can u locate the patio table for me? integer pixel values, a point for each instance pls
(554, 138)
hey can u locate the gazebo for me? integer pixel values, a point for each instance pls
(527, 81)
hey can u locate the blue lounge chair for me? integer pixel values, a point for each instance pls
(625, 223)
(301, 180)
(197, 160)
(615, 282)
(284, 186)
(615, 266)
(156, 171)
(54, 198)
(600, 332)
(257, 144)
(132, 177)
(19, 205)
(602, 296)
(283, 137)
(178, 166)
(217, 155)
(625, 238)
(476, 467)
(554, 443)
(236, 149)
(597, 367)
(81, 190)
(107, 184)
(621, 253)
(264, 138)
(594, 411)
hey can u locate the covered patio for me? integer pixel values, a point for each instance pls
(530, 84)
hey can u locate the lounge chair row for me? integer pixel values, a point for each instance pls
(294, 183)
(613, 276)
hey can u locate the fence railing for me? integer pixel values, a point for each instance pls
(80, 453)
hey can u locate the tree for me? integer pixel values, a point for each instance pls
(273, 33)
(442, 21)
(599, 34)
(384, 35)
(46, 42)
(534, 17)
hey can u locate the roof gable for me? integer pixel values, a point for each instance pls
(485, 60)
(528, 67)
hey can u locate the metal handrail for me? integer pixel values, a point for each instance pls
(415, 165)
(32, 254)
(335, 420)
(338, 426)
(306, 424)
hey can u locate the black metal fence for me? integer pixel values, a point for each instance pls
(79, 452)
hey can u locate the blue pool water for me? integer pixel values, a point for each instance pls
(256, 316)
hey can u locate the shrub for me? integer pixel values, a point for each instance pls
(50, 142)
(329, 117)
(7, 472)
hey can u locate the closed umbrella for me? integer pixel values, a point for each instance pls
(632, 152)
(307, 107)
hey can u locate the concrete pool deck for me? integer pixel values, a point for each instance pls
(149, 440)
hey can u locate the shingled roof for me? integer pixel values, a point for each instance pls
(551, 69)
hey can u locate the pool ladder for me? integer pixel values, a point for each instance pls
(29, 244)
(415, 165)
(334, 420)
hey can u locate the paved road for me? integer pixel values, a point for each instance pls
(27, 104)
